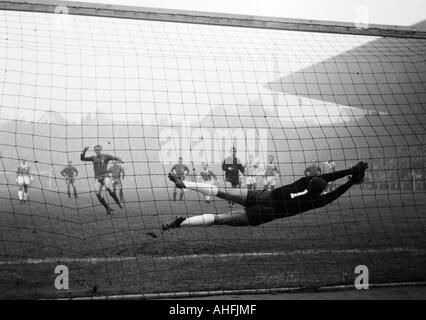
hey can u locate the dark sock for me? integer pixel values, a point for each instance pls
(114, 196)
(102, 201)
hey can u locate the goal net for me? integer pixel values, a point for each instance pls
(152, 91)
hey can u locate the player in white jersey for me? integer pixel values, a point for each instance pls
(117, 175)
(23, 180)
(207, 176)
(251, 171)
(329, 167)
(271, 174)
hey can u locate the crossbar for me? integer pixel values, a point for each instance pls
(208, 18)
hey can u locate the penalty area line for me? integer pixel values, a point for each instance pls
(97, 260)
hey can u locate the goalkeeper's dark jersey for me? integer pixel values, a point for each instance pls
(263, 206)
(100, 164)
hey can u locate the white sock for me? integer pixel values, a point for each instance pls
(25, 196)
(204, 188)
(20, 194)
(201, 220)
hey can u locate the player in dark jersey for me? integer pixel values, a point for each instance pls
(70, 173)
(117, 174)
(180, 170)
(232, 167)
(102, 175)
(262, 206)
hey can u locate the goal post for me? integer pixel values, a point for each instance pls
(154, 85)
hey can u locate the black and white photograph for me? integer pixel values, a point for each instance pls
(212, 150)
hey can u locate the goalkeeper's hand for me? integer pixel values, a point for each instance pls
(358, 178)
(358, 172)
(359, 167)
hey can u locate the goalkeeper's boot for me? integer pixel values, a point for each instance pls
(173, 224)
(177, 180)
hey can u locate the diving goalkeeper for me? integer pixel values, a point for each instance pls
(262, 206)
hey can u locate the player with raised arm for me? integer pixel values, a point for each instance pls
(180, 170)
(251, 169)
(70, 173)
(117, 174)
(23, 180)
(262, 206)
(102, 174)
(207, 176)
(271, 174)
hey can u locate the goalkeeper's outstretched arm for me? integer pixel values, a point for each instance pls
(331, 196)
(356, 169)
(358, 174)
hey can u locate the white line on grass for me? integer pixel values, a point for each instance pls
(95, 260)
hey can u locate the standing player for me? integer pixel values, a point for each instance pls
(232, 167)
(207, 176)
(271, 174)
(251, 169)
(23, 180)
(117, 174)
(102, 175)
(328, 167)
(313, 170)
(262, 206)
(70, 173)
(180, 170)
